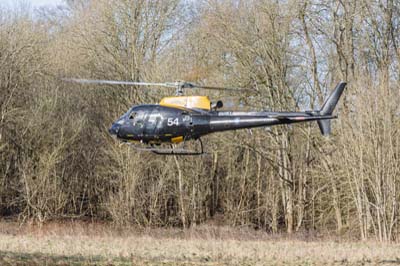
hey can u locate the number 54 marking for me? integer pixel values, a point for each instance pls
(172, 121)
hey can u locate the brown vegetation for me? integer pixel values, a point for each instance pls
(78, 243)
(57, 160)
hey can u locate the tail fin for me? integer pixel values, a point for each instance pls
(332, 100)
(325, 127)
(328, 107)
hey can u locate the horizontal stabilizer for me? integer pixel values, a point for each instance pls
(305, 118)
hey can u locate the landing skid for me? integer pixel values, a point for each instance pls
(172, 150)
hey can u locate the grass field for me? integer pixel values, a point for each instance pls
(96, 244)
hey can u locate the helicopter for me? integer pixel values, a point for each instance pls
(181, 118)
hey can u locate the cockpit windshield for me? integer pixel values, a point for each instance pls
(128, 113)
(126, 116)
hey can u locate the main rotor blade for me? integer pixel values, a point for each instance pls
(178, 85)
(221, 88)
(117, 82)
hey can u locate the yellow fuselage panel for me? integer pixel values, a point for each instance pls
(201, 102)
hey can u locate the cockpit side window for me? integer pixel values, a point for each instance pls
(132, 115)
(137, 119)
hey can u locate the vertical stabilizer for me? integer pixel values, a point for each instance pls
(331, 102)
(325, 127)
(328, 107)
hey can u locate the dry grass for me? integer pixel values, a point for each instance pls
(98, 244)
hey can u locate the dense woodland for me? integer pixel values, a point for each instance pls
(59, 162)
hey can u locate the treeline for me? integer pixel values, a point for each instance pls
(58, 161)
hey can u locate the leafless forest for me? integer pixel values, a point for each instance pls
(58, 161)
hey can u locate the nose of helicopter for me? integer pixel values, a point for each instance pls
(113, 130)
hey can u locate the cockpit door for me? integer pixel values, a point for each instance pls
(153, 123)
(138, 120)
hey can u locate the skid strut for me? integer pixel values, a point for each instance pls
(172, 150)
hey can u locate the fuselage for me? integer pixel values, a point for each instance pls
(156, 124)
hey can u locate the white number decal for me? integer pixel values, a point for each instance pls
(172, 121)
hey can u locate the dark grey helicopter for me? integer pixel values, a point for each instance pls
(182, 118)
